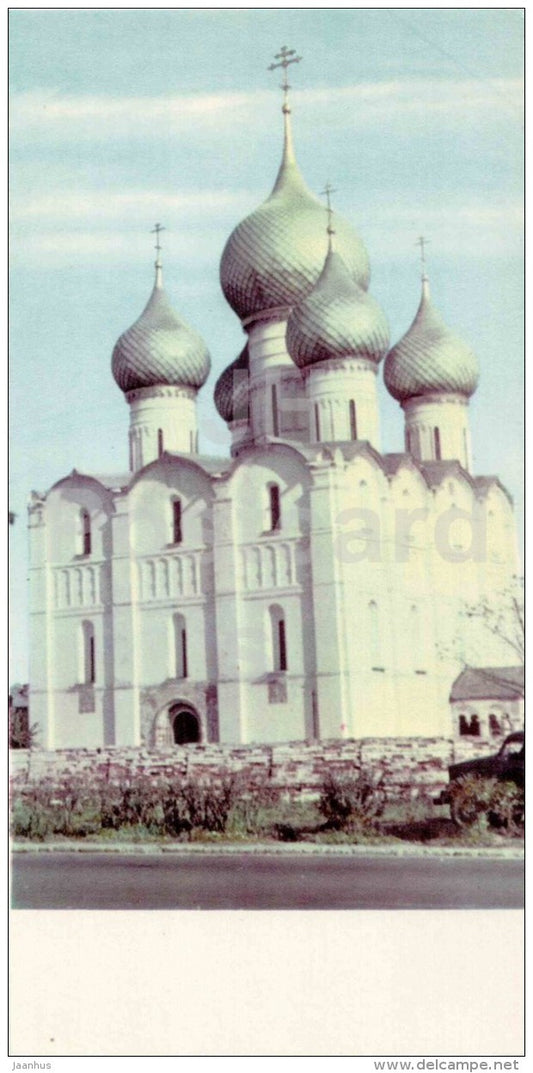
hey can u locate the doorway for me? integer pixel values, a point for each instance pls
(185, 724)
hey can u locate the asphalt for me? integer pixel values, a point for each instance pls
(284, 881)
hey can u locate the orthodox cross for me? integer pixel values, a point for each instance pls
(422, 242)
(286, 56)
(327, 192)
(157, 231)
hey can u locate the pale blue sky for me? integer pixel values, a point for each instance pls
(121, 118)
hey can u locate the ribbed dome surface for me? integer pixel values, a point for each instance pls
(337, 319)
(276, 254)
(232, 389)
(430, 359)
(160, 348)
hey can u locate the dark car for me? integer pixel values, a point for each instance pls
(507, 765)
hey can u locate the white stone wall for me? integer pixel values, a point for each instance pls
(372, 572)
(437, 427)
(162, 418)
(330, 387)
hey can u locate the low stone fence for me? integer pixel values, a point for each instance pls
(409, 767)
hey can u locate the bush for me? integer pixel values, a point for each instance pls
(349, 801)
(475, 800)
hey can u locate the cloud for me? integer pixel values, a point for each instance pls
(79, 205)
(478, 228)
(57, 231)
(49, 114)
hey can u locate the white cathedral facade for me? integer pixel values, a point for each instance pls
(307, 587)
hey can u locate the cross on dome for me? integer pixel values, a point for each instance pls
(327, 192)
(422, 242)
(286, 56)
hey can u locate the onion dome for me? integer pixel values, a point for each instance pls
(275, 256)
(232, 389)
(160, 348)
(337, 319)
(430, 359)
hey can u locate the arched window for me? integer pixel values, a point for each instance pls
(353, 420)
(177, 535)
(85, 522)
(88, 653)
(274, 507)
(494, 725)
(180, 646)
(469, 727)
(275, 416)
(279, 639)
(160, 445)
(317, 421)
(436, 444)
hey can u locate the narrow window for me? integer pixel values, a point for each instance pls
(159, 442)
(275, 418)
(463, 725)
(494, 725)
(180, 647)
(317, 421)
(85, 532)
(275, 507)
(282, 646)
(436, 442)
(353, 420)
(89, 653)
(177, 535)
(279, 639)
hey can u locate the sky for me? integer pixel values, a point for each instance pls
(123, 118)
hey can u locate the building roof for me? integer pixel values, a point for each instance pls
(337, 319)
(276, 254)
(160, 348)
(232, 389)
(430, 359)
(489, 683)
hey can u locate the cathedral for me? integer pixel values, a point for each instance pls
(307, 587)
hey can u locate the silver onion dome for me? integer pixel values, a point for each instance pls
(160, 348)
(337, 319)
(232, 389)
(275, 256)
(430, 358)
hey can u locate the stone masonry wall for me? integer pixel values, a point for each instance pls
(410, 767)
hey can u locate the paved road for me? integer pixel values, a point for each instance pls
(262, 881)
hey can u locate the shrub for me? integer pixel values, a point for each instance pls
(477, 800)
(507, 807)
(349, 801)
(190, 805)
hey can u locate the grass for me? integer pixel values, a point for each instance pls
(419, 823)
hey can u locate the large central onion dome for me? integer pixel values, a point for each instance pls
(337, 319)
(232, 391)
(430, 359)
(274, 257)
(160, 348)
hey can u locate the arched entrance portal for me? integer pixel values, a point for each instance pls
(185, 724)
